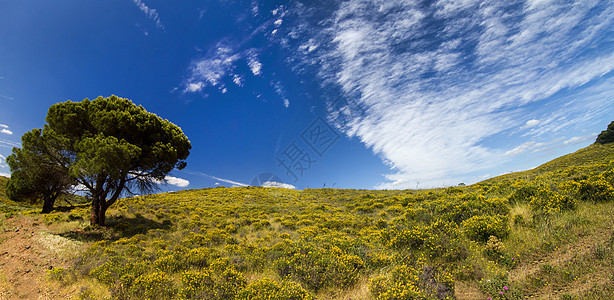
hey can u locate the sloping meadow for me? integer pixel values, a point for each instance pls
(270, 243)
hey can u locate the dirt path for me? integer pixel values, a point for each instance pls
(467, 291)
(567, 253)
(27, 251)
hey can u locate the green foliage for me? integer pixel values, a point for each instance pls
(596, 190)
(106, 145)
(36, 175)
(318, 267)
(499, 288)
(157, 285)
(606, 136)
(197, 285)
(57, 274)
(419, 281)
(480, 228)
(267, 288)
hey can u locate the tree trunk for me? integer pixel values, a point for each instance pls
(98, 211)
(48, 203)
(102, 212)
(47, 206)
(95, 211)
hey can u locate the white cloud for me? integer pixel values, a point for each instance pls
(5, 174)
(429, 102)
(218, 68)
(281, 91)
(210, 70)
(180, 182)
(6, 131)
(580, 139)
(150, 12)
(525, 147)
(530, 123)
(195, 87)
(79, 188)
(254, 64)
(255, 9)
(7, 97)
(278, 185)
(238, 80)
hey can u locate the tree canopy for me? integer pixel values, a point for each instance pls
(606, 136)
(35, 174)
(110, 146)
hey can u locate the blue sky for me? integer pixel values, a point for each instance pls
(348, 94)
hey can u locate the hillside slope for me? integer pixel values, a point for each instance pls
(545, 233)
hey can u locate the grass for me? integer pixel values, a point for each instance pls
(546, 232)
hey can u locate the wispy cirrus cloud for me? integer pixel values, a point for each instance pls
(4, 166)
(232, 182)
(216, 67)
(224, 63)
(9, 144)
(437, 79)
(150, 12)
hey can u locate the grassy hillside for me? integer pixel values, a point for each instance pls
(3, 181)
(8, 206)
(545, 233)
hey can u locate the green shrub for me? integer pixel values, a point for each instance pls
(157, 285)
(547, 203)
(319, 267)
(597, 189)
(480, 228)
(499, 288)
(57, 274)
(413, 282)
(229, 283)
(197, 285)
(266, 289)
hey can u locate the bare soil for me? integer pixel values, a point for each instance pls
(27, 251)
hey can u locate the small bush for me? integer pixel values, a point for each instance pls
(480, 228)
(196, 285)
(157, 285)
(596, 190)
(266, 289)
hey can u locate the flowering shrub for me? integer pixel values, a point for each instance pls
(157, 285)
(219, 243)
(413, 282)
(596, 190)
(266, 289)
(480, 228)
(319, 267)
(546, 203)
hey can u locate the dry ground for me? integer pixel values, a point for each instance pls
(27, 250)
